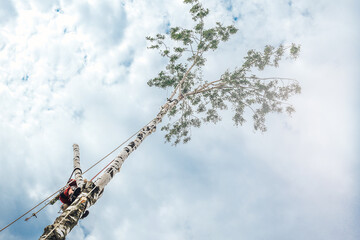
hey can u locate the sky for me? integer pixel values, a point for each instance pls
(76, 72)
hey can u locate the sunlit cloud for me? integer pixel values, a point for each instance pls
(77, 72)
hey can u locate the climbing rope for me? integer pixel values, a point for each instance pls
(34, 214)
(30, 210)
(68, 214)
(52, 201)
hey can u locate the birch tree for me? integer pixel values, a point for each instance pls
(195, 100)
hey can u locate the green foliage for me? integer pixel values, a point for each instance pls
(239, 89)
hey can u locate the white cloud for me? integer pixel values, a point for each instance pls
(77, 71)
(7, 11)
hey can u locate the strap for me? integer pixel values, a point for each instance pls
(77, 169)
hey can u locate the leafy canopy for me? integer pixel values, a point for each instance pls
(201, 99)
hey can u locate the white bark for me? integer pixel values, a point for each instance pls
(77, 170)
(114, 168)
(91, 192)
(71, 216)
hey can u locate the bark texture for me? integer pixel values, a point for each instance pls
(70, 217)
(77, 169)
(114, 168)
(91, 192)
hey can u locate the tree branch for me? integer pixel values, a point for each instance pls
(184, 77)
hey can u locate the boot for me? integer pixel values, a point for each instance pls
(86, 213)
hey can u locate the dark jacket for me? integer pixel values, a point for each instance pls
(65, 196)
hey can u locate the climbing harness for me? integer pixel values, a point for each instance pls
(61, 189)
(68, 214)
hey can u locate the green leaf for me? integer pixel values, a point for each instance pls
(240, 90)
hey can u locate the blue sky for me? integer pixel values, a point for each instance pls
(76, 72)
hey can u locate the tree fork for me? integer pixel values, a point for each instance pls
(92, 191)
(71, 216)
(234, 88)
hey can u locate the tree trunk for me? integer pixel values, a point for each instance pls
(77, 170)
(70, 217)
(114, 168)
(91, 192)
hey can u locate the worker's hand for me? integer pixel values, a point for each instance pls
(64, 207)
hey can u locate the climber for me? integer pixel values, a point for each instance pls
(68, 196)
